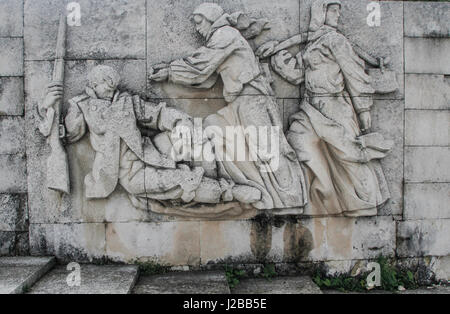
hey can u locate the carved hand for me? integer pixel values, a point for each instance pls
(365, 120)
(159, 72)
(54, 95)
(267, 49)
(287, 70)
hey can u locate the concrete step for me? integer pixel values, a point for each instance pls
(94, 280)
(207, 282)
(278, 285)
(18, 274)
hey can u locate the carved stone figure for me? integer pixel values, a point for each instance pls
(250, 100)
(331, 132)
(123, 156)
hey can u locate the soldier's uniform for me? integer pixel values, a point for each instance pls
(121, 153)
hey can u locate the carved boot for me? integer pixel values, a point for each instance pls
(211, 191)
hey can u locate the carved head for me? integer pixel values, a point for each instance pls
(204, 17)
(103, 80)
(324, 12)
(333, 14)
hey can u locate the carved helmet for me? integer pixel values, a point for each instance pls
(211, 11)
(319, 13)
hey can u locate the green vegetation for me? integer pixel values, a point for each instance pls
(391, 279)
(269, 271)
(151, 268)
(234, 276)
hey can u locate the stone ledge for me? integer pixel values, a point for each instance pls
(20, 273)
(94, 280)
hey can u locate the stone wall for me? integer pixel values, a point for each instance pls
(133, 35)
(13, 174)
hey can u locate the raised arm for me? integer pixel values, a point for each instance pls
(272, 47)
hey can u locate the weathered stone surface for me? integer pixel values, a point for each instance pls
(427, 201)
(226, 241)
(12, 135)
(427, 164)
(7, 243)
(94, 280)
(333, 239)
(11, 96)
(13, 172)
(383, 41)
(13, 212)
(208, 282)
(20, 273)
(173, 243)
(427, 127)
(109, 30)
(68, 242)
(279, 285)
(427, 91)
(423, 238)
(170, 25)
(14, 243)
(441, 268)
(315, 239)
(425, 19)
(388, 119)
(11, 56)
(427, 55)
(11, 18)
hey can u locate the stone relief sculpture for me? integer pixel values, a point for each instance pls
(330, 136)
(331, 132)
(123, 156)
(250, 103)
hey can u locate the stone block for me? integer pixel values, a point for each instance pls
(427, 19)
(205, 282)
(441, 268)
(169, 243)
(11, 57)
(427, 91)
(83, 242)
(13, 212)
(11, 96)
(388, 119)
(13, 243)
(427, 127)
(333, 239)
(280, 285)
(13, 171)
(109, 30)
(427, 201)
(423, 238)
(20, 273)
(228, 242)
(427, 55)
(385, 40)
(106, 279)
(11, 18)
(12, 135)
(427, 164)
